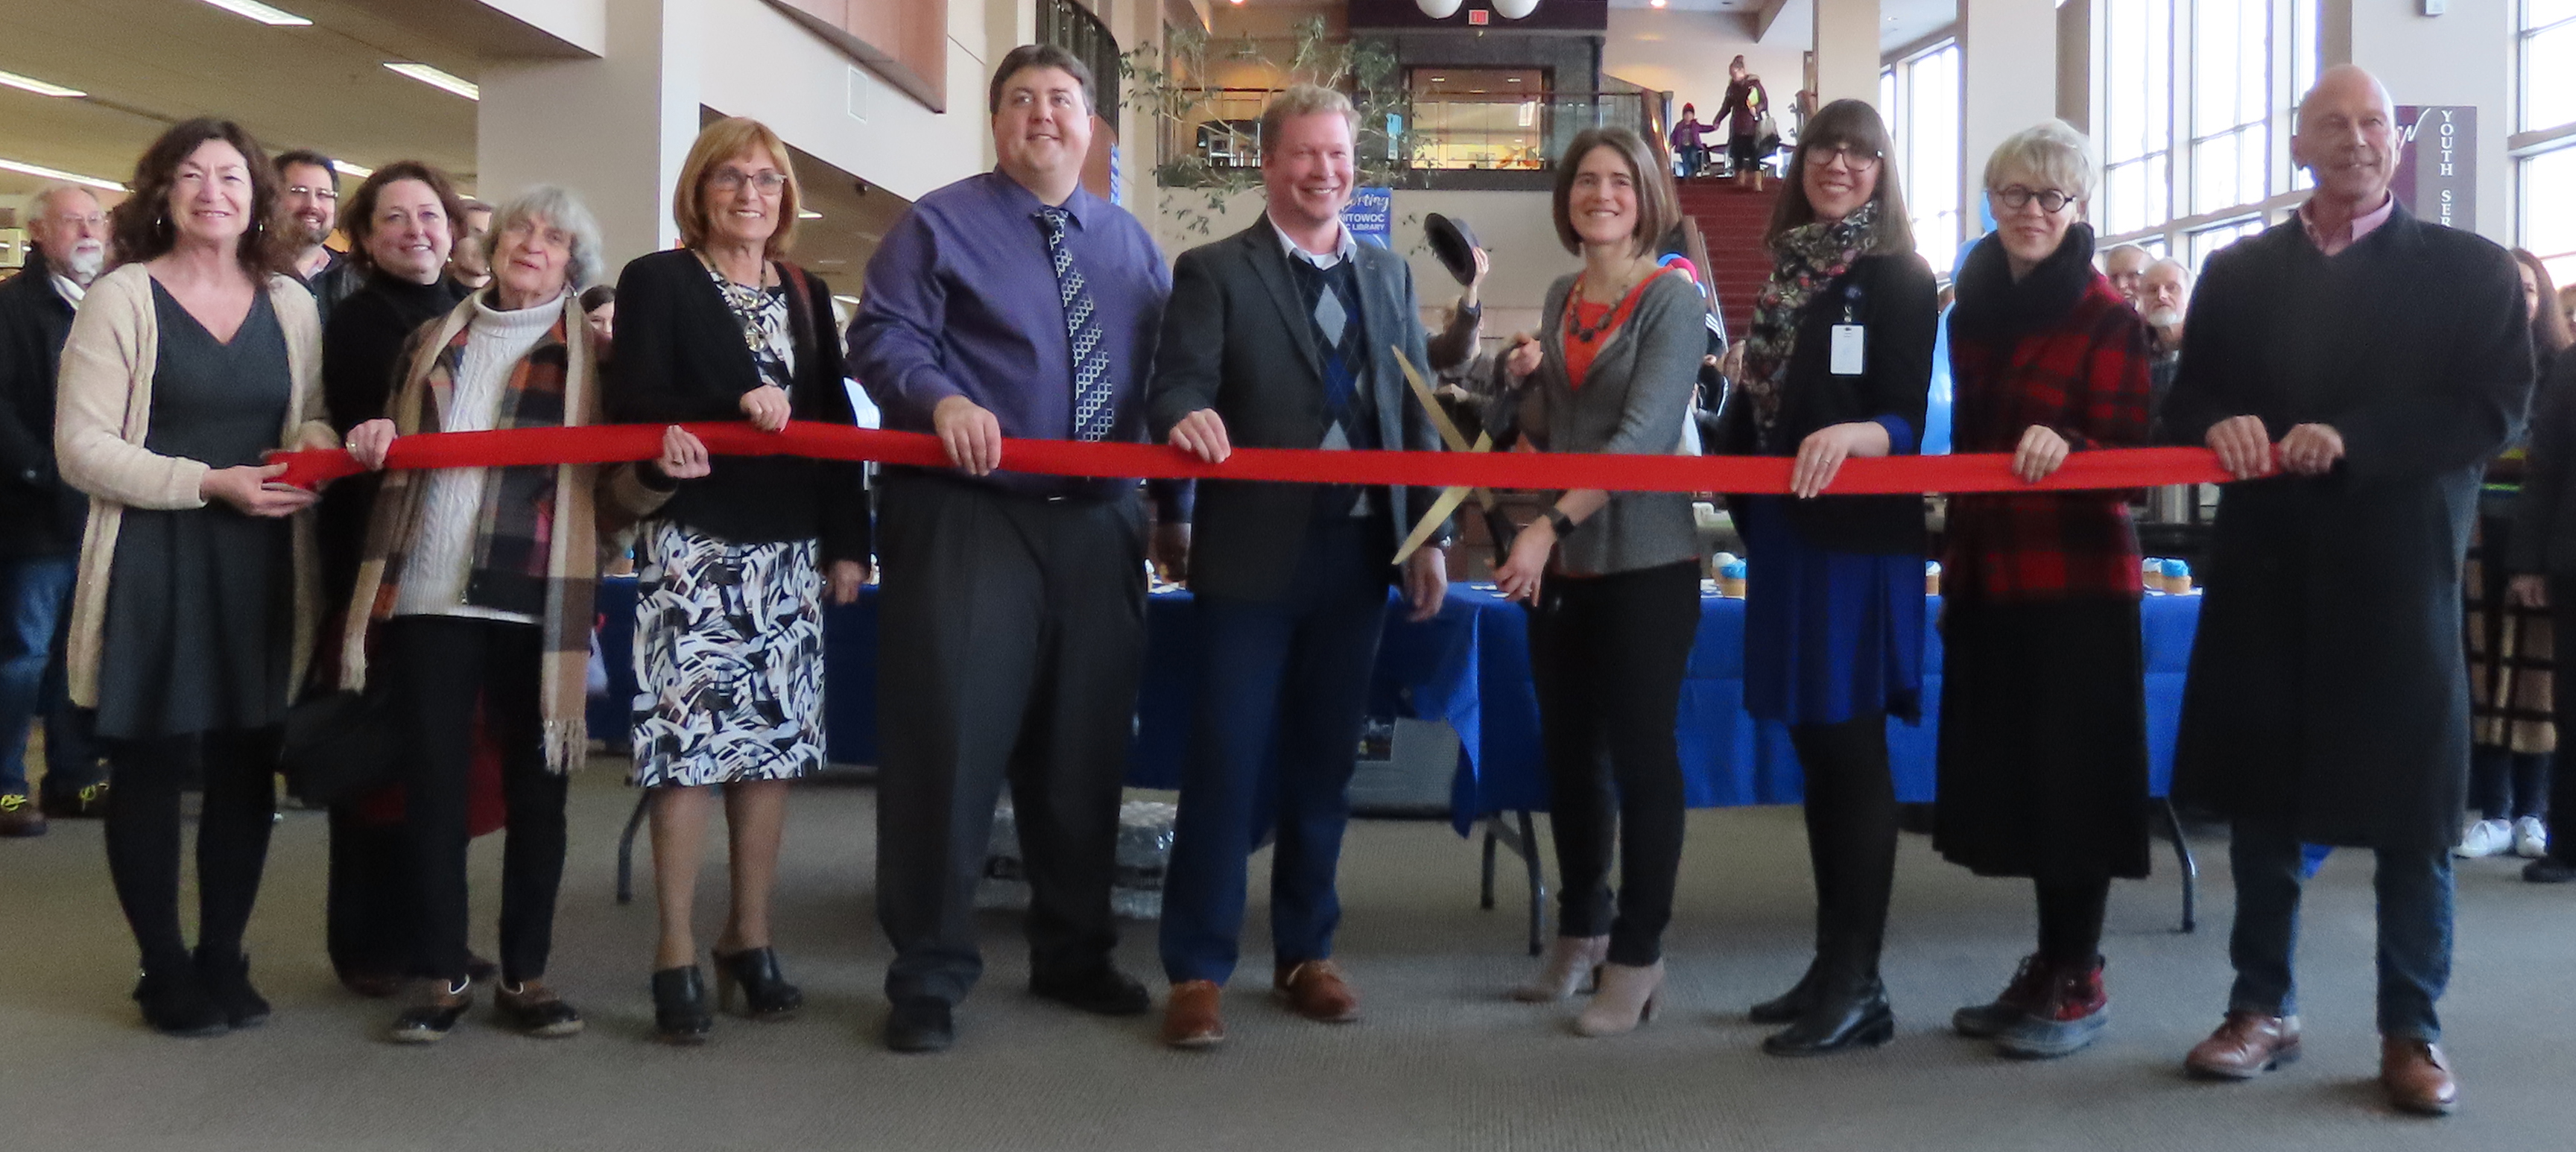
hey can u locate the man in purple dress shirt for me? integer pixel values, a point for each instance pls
(1013, 304)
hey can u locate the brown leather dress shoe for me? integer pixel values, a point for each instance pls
(2246, 1046)
(1191, 1019)
(2417, 1076)
(1315, 990)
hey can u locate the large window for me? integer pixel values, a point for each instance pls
(1921, 98)
(2544, 139)
(2198, 99)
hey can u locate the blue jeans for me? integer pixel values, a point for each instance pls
(1282, 692)
(35, 607)
(2414, 928)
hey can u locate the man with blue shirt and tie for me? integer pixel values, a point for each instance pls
(1286, 335)
(1007, 305)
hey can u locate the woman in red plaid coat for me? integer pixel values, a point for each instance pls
(2043, 762)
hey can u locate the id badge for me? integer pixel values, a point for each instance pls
(1846, 358)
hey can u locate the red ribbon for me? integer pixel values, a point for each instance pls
(610, 444)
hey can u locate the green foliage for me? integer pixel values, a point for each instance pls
(1168, 85)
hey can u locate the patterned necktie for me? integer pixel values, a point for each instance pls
(1092, 416)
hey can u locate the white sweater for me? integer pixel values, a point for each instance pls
(441, 560)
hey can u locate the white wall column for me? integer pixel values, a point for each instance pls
(1846, 47)
(613, 129)
(2008, 58)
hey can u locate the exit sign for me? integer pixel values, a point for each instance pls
(1478, 16)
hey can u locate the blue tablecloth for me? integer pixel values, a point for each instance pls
(1469, 667)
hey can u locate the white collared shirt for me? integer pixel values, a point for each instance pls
(1348, 249)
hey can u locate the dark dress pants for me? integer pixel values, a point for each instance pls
(2415, 915)
(1282, 687)
(444, 666)
(1013, 632)
(1609, 653)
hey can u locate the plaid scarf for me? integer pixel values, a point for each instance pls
(537, 538)
(1809, 257)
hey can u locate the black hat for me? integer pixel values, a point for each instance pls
(1454, 243)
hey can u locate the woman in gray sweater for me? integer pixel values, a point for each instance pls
(1612, 578)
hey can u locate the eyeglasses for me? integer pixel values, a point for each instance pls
(732, 180)
(323, 192)
(2016, 198)
(1857, 157)
(94, 219)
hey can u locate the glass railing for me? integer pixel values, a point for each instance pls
(1221, 128)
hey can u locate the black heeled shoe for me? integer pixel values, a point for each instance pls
(227, 984)
(1788, 1006)
(174, 1001)
(753, 974)
(1848, 1016)
(680, 1006)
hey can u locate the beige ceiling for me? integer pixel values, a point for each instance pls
(148, 64)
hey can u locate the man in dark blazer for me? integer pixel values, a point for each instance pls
(40, 516)
(2385, 359)
(1285, 336)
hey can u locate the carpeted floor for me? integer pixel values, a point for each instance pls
(1441, 1061)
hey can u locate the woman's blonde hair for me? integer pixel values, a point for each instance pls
(719, 142)
(2051, 150)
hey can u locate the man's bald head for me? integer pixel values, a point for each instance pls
(2347, 138)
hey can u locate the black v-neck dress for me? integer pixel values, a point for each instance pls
(200, 601)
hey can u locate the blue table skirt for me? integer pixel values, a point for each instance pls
(1469, 667)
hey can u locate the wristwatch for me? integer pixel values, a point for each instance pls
(1560, 522)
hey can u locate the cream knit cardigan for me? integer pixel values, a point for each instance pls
(103, 411)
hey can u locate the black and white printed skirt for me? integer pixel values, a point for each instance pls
(728, 659)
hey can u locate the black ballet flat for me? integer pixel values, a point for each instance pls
(680, 1013)
(1840, 1020)
(752, 975)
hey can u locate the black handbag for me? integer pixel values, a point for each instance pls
(340, 745)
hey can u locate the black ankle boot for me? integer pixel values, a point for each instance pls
(227, 983)
(753, 973)
(680, 1006)
(174, 1000)
(1847, 1014)
(1799, 1000)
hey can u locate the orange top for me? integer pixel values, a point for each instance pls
(1587, 327)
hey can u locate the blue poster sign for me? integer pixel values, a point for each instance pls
(1371, 215)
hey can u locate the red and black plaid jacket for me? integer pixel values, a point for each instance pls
(2086, 378)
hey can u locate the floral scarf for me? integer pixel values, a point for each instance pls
(1808, 257)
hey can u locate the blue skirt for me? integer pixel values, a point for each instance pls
(1827, 635)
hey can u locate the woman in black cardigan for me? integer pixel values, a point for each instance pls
(728, 622)
(1838, 365)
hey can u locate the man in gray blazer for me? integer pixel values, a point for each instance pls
(1285, 336)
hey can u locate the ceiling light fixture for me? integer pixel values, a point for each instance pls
(345, 168)
(39, 87)
(443, 81)
(808, 214)
(274, 17)
(41, 172)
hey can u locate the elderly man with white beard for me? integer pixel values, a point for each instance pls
(2163, 291)
(40, 516)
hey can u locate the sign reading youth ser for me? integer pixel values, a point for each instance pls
(2437, 163)
(1370, 216)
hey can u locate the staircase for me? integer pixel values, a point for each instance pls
(1731, 220)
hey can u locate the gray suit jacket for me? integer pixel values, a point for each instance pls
(1635, 399)
(1238, 338)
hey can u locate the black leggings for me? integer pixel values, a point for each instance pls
(146, 777)
(2070, 921)
(446, 666)
(1608, 654)
(1851, 838)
